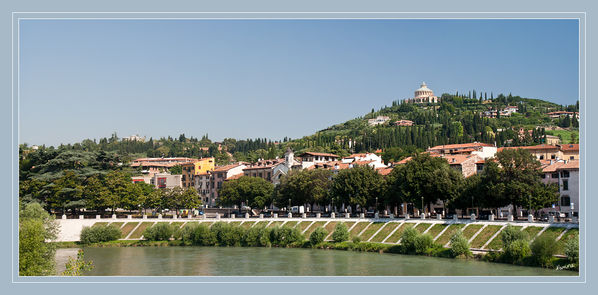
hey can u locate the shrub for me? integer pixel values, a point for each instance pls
(459, 245)
(185, 234)
(356, 239)
(283, 236)
(423, 244)
(572, 249)
(408, 238)
(318, 236)
(264, 237)
(252, 236)
(543, 248)
(340, 233)
(227, 234)
(511, 234)
(202, 236)
(516, 251)
(162, 231)
(99, 233)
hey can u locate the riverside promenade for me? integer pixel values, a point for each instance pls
(482, 234)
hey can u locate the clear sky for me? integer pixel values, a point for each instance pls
(270, 78)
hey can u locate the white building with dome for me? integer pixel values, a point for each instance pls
(424, 95)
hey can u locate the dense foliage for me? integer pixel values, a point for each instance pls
(318, 236)
(162, 231)
(99, 233)
(255, 190)
(36, 228)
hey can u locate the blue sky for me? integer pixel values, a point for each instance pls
(270, 78)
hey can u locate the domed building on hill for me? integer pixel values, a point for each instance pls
(424, 95)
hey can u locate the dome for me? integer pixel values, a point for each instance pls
(424, 87)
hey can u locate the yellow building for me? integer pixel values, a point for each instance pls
(191, 169)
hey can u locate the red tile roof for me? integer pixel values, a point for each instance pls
(226, 168)
(460, 146)
(319, 154)
(384, 171)
(572, 164)
(533, 147)
(569, 147)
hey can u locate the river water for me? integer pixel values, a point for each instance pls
(238, 261)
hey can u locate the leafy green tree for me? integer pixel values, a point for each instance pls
(256, 190)
(395, 154)
(36, 228)
(117, 183)
(190, 198)
(359, 186)
(304, 187)
(67, 192)
(425, 177)
(521, 181)
(96, 194)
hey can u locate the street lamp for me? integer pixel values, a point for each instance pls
(376, 208)
(423, 211)
(289, 205)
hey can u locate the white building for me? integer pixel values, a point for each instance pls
(566, 174)
(378, 120)
(371, 159)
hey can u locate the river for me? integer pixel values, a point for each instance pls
(238, 261)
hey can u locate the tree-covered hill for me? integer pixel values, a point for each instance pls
(456, 119)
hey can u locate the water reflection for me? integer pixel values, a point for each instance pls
(220, 261)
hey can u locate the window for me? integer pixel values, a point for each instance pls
(542, 157)
(565, 185)
(553, 157)
(565, 174)
(572, 158)
(565, 201)
(543, 176)
(555, 175)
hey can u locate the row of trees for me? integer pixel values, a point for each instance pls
(513, 178)
(100, 192)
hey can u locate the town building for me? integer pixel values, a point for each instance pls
(160, 180)
(203, 185)
(196, 167)
(566, 175)
(378, 120)
(467, 164)
(309, 158)
(552, 140)
(135, 137)
(370, 159)
(219, 176)
(152, 166)
(559, 114)
(483, 150)
(494, 113)
(423, 95)
(263, 168)
(541, 151)
(402, 123)
(569, 151)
